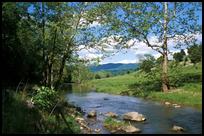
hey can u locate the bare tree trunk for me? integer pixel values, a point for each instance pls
(165, 80)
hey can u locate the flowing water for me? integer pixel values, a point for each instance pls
(159, 117)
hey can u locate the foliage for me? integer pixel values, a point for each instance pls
(81, 73)
(159, 60)
(18, 118)
(179, 56)
(113, 124)
(57, 126)
(195, 53)
(97, 76)
(142, 21)
(147, 63)
(45, 98)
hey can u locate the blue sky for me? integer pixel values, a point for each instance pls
(130, 55)
(133, 55)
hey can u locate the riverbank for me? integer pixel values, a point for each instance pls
(186, 82)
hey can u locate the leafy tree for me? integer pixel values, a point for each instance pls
(179, 56)
(46, 38)
(97, 76)
(148, 63)
(140, 21)
(108, 74)
(195, 53)
(81, 73)
(128, 72)
(159, 60)
(20, 60)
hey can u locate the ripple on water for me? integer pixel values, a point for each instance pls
(160, 118)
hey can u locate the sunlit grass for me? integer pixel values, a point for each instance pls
(187, 90)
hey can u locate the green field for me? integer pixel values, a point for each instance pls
(186, 85)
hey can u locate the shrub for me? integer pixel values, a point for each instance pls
(97, 76)
(45, 98)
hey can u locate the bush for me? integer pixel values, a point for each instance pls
(45, 98)
(97, 76)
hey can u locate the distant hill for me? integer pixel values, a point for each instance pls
(114, 67)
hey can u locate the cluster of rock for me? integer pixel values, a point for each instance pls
(84, 126)
(131, 116)
(175, 105)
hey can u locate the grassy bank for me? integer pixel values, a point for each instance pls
(186, 85)
(19, 118)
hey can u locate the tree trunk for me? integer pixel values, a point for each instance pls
(165, 80)
(43, 44)
(61, 70)
(49, 74)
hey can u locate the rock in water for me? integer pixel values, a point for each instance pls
(177, 128)
(177, 106)
(167, 103)
(111, 114)
(105, 98)
(130, 129)
(92, 113)
(135, 116)
(97, 130)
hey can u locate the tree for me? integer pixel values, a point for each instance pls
(151, 21)
(81, 73)
(20, 62)
(61, 30)
(159, 60)
(97, 76)
(108, 74)
(147, 63)
(179, 56)
(195, 53)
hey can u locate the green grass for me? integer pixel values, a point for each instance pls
(186, 82)
(113, 124)
(114, 85)
(18, 118)
(189, 94)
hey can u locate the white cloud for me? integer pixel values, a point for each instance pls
(139, 49)
(125, 61)
(94, 24)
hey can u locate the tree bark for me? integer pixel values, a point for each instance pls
(49, 74)
(65, 56)
(165, 80)
(43, 44)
